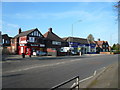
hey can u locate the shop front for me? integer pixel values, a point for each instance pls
(28, 49)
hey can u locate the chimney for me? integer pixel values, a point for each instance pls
(50, 29)
(19, 31)
(99, 39)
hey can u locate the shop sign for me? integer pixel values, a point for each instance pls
(23, 39)
(22, 44)
(42, 45)
(34, 45)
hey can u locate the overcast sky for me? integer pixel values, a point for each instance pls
(97, 18)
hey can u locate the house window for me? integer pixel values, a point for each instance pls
(106, 50)
(103, 50)
(56, 43)
(6, 41)
(103, 45)
(12, 40)
(31, 39)
(3, 40)
(106, 45)
(32, 34)
(35, 33)
(39, 35)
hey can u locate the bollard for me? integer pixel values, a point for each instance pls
(77, 82)
(30, 56)
(23, 55)
(80, 53)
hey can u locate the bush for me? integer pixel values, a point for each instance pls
(117, 52)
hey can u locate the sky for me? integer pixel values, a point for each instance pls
(96, 18)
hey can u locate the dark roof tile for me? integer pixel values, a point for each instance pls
(52, 36)
(24, 33)
(76, 39)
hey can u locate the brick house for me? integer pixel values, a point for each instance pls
(6, 40)
(54, 43)
(6, 44)
(102, 46)
(28, 42)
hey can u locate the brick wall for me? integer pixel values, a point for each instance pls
(105, 53)
(7, 50)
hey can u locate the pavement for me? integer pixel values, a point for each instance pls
(105, 78)
(19, 57)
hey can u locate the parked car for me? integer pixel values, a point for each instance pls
(34, 53)
(41, 53)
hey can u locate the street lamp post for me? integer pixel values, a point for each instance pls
(72, 32)
(74, 23)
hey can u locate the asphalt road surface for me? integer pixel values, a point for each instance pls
(37, 73)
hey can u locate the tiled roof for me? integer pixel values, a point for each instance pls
(24, 33)
(5, 35)
(92, 42)
(76, 39)
(52, 36)
(100, 42)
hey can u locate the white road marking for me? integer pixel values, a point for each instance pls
(40, 66)
(95, 72)
(85, 79)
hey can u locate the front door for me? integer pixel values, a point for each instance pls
(22, 49)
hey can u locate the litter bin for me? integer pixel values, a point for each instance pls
(23, 55)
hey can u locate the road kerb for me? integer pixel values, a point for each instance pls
(90, 80)
(94, 79)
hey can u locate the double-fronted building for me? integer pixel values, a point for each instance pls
(54, 43)
(28, 42)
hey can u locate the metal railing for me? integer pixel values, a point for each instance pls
(66, 82)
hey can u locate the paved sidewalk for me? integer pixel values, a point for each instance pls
(107, 79)
(19, 57)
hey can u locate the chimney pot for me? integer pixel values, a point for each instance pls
(99, 39)
(19, 30)
(50, 29)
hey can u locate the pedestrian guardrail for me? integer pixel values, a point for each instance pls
(66, 82)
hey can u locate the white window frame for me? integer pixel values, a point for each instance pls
(3, 40)
(56, 43)
(31, 39)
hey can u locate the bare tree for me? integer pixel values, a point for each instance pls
(90, 37)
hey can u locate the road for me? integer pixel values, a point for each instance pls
(37, 73)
